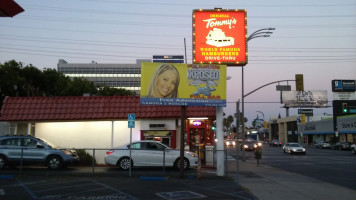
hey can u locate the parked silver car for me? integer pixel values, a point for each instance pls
(149, 153)
(16, 150)
(322, 145)
(294, 148)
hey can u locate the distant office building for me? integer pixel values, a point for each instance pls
(125, 76)
(168, 59)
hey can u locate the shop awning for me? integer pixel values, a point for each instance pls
(9, 8)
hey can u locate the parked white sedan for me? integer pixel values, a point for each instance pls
(149, 153)
(294, 148)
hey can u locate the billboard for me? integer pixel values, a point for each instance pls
(174, 84)
(220, 37)
(311, 98)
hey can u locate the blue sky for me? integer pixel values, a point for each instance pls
(313, 38)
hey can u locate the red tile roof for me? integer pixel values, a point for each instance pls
(9, 8)
(91, 108)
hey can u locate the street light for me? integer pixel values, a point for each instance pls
(265, 32)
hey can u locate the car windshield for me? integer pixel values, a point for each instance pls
(294, 145)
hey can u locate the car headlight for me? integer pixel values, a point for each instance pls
(254, 145)
(67, 152)
(227, 143)
(245, 146)
(234, 143)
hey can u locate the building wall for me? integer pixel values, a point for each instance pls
(5, 128)
(88, 135)
(283, 127)
(97, 135)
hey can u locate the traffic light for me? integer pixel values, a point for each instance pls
(344, 108)
(302, 118)
(299, 82)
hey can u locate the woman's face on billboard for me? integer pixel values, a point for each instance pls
(166, 83)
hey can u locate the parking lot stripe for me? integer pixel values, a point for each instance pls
(27, 189)
(118, 191)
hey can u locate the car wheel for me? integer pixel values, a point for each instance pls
(185, 162)
(3, 162)
(353, 151)
(124, 163)
(54, 162)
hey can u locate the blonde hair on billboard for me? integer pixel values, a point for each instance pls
(159, 70)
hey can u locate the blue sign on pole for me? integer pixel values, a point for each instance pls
(131, 120)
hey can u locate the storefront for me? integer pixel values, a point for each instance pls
(199, 133)
(103, 121)
(167, 137)
(317, 131)
(346, 127)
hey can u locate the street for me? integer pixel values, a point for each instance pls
(333, 166)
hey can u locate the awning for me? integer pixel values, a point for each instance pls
(9, 8)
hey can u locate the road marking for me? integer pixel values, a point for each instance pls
(180, 195)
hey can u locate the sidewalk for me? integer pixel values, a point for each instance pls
(268, 183)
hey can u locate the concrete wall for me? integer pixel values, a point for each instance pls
(4, 128)
(88, 135)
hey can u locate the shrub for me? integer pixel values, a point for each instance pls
(84, 157)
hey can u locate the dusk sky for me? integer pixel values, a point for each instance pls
(313, 38)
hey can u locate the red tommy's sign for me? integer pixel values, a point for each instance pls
(220, 37)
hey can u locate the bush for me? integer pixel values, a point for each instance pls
(84, 157)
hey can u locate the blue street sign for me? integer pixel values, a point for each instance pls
(131, 120)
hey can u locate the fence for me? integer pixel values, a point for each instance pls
(91, 162)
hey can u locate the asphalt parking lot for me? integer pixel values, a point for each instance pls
(79, 183)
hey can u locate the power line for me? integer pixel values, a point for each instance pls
(214, 5)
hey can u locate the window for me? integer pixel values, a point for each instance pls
(136, 146)
(11, 142)
(28, 142)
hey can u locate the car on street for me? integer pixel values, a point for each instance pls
(230, 142)
(250, 145)
(322, 145)
(353, 148)
(342, 146)
(275, 143)
(294, 148)
(148, 153)
(25, 150)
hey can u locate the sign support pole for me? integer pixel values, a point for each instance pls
(182, 131)
(131, 124)
(220, 168)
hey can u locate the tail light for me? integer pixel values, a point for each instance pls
(109, 152)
